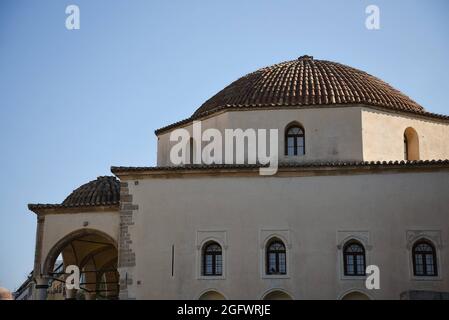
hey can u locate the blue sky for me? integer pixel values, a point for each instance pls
(73, 103)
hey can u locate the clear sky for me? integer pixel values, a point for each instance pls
(73, 103)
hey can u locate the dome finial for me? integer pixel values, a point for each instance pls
(305, 57)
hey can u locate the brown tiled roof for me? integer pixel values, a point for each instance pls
(104, 191)
(306, 82)
(303, 165)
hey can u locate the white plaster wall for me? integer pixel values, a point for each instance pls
(330, 133)
(57, 226)
(312, 209)
(335, 134)
(383, 136)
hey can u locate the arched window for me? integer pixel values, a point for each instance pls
(212, 259)
(424, 259)
(411, 144)
(276, 257)
(294, 141)
(354, 259)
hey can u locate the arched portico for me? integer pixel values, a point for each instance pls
(83, 231)
(95, 254)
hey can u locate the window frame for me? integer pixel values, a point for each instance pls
(302, 135)
(277, 253)
(434, 255)
(203, 236)
(214, 255)
(345, 254)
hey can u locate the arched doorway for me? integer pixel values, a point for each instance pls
(355, 295)
(277, 295)
(212, 295)
(95, 254)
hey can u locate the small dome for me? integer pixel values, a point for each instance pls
(304, 82)
(102, 191)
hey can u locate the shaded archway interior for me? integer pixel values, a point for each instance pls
(355, 295)
(95, 254)
(212, 295)
(411, 144)
(277, 295)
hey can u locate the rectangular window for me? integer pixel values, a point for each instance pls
(208, 267)
(219, 264)
(360, 265)
(350, 265)
(290, 146)
(419, 265)
(272, 262)
(282, 263)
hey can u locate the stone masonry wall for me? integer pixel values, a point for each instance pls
(126, 255)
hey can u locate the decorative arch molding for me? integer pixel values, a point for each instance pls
(434, 236)
(265, 236)
(209, 240)
(204, 237)
(282, 234)
(294, 123)
(355, 291)
(53, 253)
(274, 290)
(344, 237)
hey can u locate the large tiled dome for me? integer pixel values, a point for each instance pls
(304, 82)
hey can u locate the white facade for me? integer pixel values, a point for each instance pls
(314, 213)
(167, 215)
(337, 133)
(363, 179)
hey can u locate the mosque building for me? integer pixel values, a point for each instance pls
(362, 179)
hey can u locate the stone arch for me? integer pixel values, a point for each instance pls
(434, 240)
(95, 253)
(211, 294)
(276, 294)
(294, 123)
(364, 241)
(275, 235)
(52, 255)
(355, 295)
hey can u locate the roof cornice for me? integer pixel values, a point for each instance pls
(47, 208)
(229, 108)
(284, 169)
